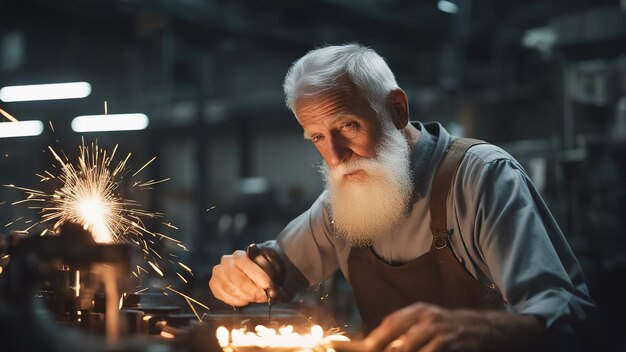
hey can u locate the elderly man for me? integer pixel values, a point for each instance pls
(446, 242)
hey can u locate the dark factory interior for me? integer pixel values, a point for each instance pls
(220, 163)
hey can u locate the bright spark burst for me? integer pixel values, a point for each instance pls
(89, 195)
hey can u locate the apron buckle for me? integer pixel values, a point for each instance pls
(441, 239)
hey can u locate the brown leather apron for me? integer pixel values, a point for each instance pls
(436, 277)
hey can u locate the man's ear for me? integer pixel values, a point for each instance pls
(398, 107)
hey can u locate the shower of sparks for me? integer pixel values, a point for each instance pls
(8, 116)
(106, 110)
(211, 208)
(89, 197)
(51, 126)
(88, 194)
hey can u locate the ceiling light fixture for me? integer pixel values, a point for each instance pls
(52, 91)
(21, 128)
(111, 122)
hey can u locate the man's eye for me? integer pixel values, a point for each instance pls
(349, 127)
(316, 139)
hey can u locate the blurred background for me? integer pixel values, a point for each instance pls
(545, 80)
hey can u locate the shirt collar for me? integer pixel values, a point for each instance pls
(426, 154)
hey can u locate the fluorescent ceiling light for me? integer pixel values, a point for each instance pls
(115, 122)
(45, 91)
(447, 6)
(20, 128)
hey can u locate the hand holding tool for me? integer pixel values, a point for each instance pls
(269, 261)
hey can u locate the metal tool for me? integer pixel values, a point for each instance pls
(40, 277)
(269, 261)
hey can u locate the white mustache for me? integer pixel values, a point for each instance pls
(355, 164)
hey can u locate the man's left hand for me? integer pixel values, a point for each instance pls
(426, 327)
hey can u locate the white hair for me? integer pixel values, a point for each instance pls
(324, 69)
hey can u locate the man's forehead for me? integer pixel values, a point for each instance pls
(344, 98)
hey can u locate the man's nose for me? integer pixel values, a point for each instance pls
(338, 151)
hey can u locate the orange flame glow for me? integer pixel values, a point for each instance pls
(284, 338)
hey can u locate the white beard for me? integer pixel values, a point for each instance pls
(367, 209)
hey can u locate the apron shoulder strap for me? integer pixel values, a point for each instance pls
(441, 188)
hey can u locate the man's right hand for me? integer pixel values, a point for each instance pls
(238, 281)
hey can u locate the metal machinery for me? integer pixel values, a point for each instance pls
(62, 293)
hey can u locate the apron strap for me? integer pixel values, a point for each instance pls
(441, 187)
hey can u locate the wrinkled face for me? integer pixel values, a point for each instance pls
(342, 125)
(367, 169)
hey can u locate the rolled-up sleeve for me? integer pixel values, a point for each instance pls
(526, 253)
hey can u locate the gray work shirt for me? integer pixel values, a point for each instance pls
(503, 233)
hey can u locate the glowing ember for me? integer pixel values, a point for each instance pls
(284, 338)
